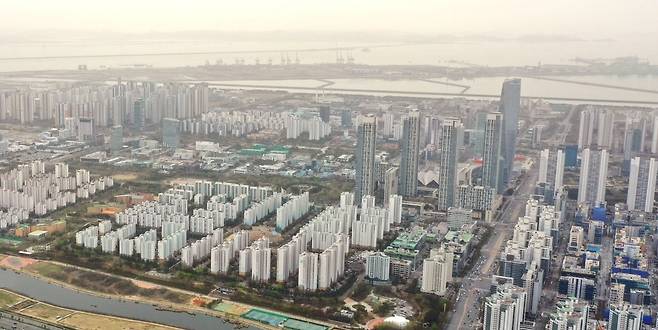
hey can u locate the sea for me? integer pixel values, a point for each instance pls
(64, 54)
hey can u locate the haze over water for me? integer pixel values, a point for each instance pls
(447, 53)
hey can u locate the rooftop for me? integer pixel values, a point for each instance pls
(409, 240)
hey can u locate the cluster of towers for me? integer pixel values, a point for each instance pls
(499, 132)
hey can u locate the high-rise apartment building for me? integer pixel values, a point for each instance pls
(391, 180)
(595, 128)
(378, 266)
(138, 114)
(365, 157)
(116, 138)
(410, 149)
(570, 314)
(170, 133)
(642, 184)
(346, 118)
(593, 176)
(654, 135)
(492, 160)
(451, 139)
(325, 113)
(308, 271)
(625, 317)
(437, 272)
(551, 168)
(505, 309)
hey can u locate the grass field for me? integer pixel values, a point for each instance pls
(48, 269)
(45, 312)
(100, 322)
(7, 298)
(230, 308)
(83, 320)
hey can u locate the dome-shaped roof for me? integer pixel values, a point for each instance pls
(397, 321)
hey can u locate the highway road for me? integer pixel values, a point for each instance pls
(476, 284)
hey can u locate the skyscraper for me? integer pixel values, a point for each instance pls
(138, 114)
(390, 183)
(510, 106)
(325, 113)
(86, 129)
(364, 179)
(551, 168)
(633, 139)
(346, 118)
(116, 138)
(409, 154)
(654, 135)
(387, 130)
(585, 129)
(642, 184)
(170, 132)
(604, 132)
(602, 121)
(451, 139)
(491, 152)
(593, 176)
(536, 136)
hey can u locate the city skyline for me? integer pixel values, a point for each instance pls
(347, 165)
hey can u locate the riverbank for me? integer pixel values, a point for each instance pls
(44, 271)
(55, 315)
(179, 309)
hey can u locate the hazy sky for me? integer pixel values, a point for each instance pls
(583, 18)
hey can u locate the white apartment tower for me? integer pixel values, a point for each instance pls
(642, 184)
(365, 157)
(505, 309)
(625, 317)
(308, 271)
(452, 132)
(378, 266)
(593, 176)
(491, 152)
(409, 153)
(437, 272)
(595, 122)
(551, 168)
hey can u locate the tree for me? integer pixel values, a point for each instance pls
(361, 292)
